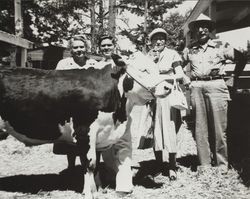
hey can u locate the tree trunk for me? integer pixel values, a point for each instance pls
(93, 26)
(112, 17)
(101, 17)
(145, 26)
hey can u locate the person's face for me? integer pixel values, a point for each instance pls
(78, 49)
(203, 33)
(107, 47)
(155, 55)
(158, 41)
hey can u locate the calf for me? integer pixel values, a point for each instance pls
(36, 102)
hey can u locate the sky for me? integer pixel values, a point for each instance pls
(184, 7)
(232, 37)
(133, 20)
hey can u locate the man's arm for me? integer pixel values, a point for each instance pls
(240, 59)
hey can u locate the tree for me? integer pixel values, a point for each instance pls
(173, 26)
(55, 20)
(155, 11)
(112, 17)
(46, 21)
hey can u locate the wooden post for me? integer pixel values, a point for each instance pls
(212, 14)
(19, 31)
(23, 57)
(18, 18)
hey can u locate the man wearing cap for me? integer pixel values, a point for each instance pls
(167, 119)
(209, 92)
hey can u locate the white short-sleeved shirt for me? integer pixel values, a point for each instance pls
(69, 63)
(168, 60)
(211, 56)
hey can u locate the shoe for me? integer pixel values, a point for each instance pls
(223, 169)
(3, 134)
(204, 170)
(172, 175)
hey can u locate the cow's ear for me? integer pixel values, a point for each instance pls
(128, 83)
(118, 60)
(117, 72)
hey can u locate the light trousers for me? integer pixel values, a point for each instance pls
(209, 100)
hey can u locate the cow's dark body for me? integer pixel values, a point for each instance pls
(35, 101)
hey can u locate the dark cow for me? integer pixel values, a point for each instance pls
(35, 102)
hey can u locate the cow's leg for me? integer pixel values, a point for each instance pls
(90, 189)
(86, 147)
(89, 185)
(89, 181)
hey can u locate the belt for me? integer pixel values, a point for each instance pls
(207, 78)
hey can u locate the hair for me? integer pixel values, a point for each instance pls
(158, 33)
(103, 37)
(78, 38)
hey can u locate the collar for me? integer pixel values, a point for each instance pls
(108, 61)
(210, 43)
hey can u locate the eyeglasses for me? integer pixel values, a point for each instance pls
(106, 45)
(76, 47)
(204, 28)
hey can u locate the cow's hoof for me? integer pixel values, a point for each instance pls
(90, 195)
(122, 194)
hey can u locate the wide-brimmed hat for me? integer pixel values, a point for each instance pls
(200, 21)
(156, 31)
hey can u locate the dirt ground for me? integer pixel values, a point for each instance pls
(35, 172)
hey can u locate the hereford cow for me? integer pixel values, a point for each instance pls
(37, 102)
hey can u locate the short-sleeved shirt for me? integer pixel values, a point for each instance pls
(102, 63)
(207, 58)
(69, 63)
(168, 60)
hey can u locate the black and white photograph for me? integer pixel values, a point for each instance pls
(124, 99)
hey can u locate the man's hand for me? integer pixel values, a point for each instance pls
(163, 89)
(186, 82)
(230, 82)
(91, 155)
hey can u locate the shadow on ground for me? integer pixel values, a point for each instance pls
(65, 180)
(146, 173)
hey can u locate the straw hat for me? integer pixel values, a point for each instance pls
(155, 31)
(202, 20)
